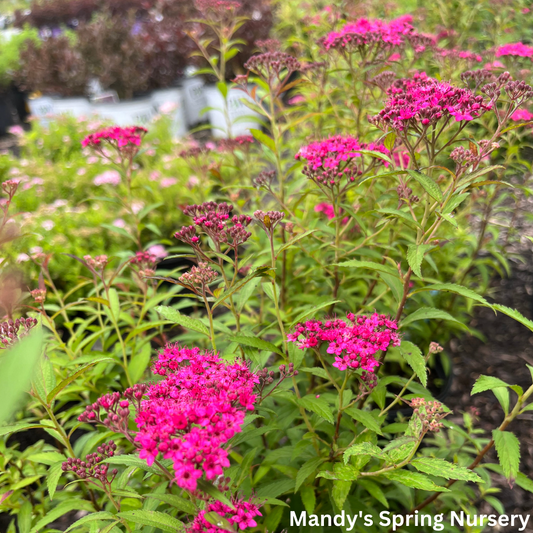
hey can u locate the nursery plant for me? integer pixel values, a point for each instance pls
(261, 350)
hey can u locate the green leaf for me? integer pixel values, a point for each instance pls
(427, 313)
(454, 202)
(294, 241)
(223, 88)
(484, 383)
(306, 470)
(93, 517)
(276, 488)
(365, 418)
(503, 396)
(413, 480)
(46, 458)
(442, 468)
(139, 362)
(264, 139)
(24, 517)
(254, 342)
(132, 460)
(414, 358)
(219, 521)
(72, 377)
(389, 141)
(72, 504)
(308, 496)
(316, 371)
(377, 267)
(364, 448)
(318, 406)
(6, 430)
(312, 310)
(428, 184)
(209, 488)
(508, 449)
(162, 521)
(458, 289)
(52, 478)
(189, 323)
(340, 492)
(513, 313)
(404, 215)
(374, 490)
(415, 255)
(114, 302)
(17, 366)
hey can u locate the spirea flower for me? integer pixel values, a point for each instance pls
(514, 49)
(354, 342)
(455, 54)
(329, 161)
(242, 515)
(122, 139)
(193, 412)
(423, 101)
(145, 263)
(522, 115)
(109, 177)
(270, 65)
(93, 466)
(200, 275)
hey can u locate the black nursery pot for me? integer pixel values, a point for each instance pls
(6, 117)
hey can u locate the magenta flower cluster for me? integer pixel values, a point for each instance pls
(354, 342)
(515, 49)
(424, 101)
(329, 161)
(116, 136)
(193, 412)
(365, 32)
(242, 515)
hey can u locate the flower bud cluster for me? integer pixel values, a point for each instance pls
(430, 413)
(200, 275)
(369, 381)
(354, 342)
(193, 412)
(38, 295)
(384, 80)
(212, 219)
(230, 145)
(270, 65)
(435, 347)
(264, 179)
(98, 263)
(13, 330)
(476, 78)
(145, 262)
(93, 467)
(269, 220)
(405, 194)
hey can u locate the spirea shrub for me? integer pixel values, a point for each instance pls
(233, 335)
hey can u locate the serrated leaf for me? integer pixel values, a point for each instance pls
(254, 342)
(73, 504)
(454, 202)
(428, 313)
(414, 358)
(93, 517)
(365, 418)
(68, 380)
(6, 430)
(414, 480)
(308, 496)
(157, 519)
(132, 460)
(52, 478)
(374, 490)
(503, 396)
(187, 322)
(484, 383)
(316, 371)
(442, 468)
(209, 488)
(294, 241)
(318, 406)
(364, 448)
(513, 313)
(458, 289)
(377, 267)
(340, 492)
(276, 488)
(114, 302)
(311, 311)
(415, 256)
(306, 470)
(508, 450)
(404, 215)
(139, 363)
(428, 184)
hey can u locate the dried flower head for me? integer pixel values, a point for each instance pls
(430, 413)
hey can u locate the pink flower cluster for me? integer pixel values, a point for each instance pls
(116, 136)
(365, 33)
(522, 115)
(328, 161)
(424, 101)
(193, 412)
(111, 177)
(515, 49)
(353, 343)
(459, 54)
(242, 515)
